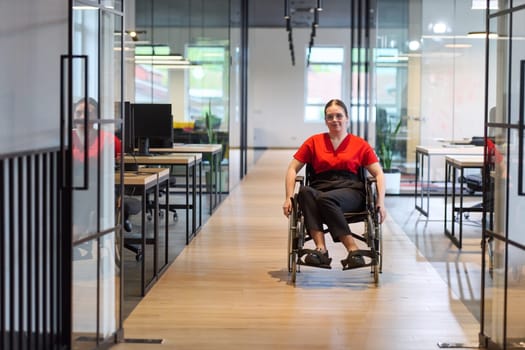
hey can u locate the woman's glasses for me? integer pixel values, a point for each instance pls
(336, 116)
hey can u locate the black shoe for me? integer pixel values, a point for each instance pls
(316, 258)
(353, 260)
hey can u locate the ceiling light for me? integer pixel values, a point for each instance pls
(134, 34)
(439, 28)
(414, 45)
(174, 57)
(458, 46)
(158, 55)
(84, 7)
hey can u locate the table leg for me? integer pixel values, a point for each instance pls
(420, 179)
(187, 204)
(143, 244)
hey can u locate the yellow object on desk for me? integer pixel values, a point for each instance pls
(183, 124)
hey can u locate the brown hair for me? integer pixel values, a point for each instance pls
(336, 102)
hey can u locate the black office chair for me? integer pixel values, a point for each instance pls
(150, 205)
(132, 206)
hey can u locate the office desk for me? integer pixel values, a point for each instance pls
(453, 164)
(163, 177)
(143, 183)
(423, 178)
(189, 161)
(214, 151)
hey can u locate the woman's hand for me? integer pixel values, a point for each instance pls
(382, 213)
(287, 207)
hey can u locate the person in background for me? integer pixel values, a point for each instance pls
(105, 137)
(98, 141)
(335, 157)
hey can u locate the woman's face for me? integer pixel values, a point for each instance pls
(79, 114)
(336, 118)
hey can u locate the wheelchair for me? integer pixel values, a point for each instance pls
(369, 216)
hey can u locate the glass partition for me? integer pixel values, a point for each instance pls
(96, 97)
(189, 67)
(504, 261)
(429, 77)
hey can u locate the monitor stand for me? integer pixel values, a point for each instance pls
(144, 146)
(131, 167)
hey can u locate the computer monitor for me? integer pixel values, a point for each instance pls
(152, 125)
(127, 132)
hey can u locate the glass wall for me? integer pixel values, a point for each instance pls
(504, 263)
(430, 75)
(96, 93)
(196, 81)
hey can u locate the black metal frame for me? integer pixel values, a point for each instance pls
(489, 235)
(360, 12)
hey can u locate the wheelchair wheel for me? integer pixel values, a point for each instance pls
(293, 226)
(373, 242)
(295, 239)
(378, 246)
(291, 237)
(298, 244)
(370, 242)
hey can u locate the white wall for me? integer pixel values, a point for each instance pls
(33, 38)
(276, 89)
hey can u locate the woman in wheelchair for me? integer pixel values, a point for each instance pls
(335, 158)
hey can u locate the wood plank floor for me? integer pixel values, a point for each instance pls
(229, 288)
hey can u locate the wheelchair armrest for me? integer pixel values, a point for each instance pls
(300, 179)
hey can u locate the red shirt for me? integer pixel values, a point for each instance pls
(106, 139)
(353, 153)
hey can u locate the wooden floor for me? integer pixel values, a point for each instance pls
(229, 288)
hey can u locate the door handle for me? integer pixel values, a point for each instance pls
(66, 120)
(521, 125)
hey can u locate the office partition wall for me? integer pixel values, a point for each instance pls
(503, 285)
(94, 102)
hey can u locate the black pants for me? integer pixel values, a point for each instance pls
(328, 207)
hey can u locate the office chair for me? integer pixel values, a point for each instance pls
(132, 206)
(171, 208)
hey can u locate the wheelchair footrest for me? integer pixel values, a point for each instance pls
(319, 259)
(356, 259)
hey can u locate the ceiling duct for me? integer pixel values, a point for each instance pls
(301, 14)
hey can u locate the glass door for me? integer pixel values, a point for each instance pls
(503, 320)
(95, 104)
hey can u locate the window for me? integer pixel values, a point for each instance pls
(151, 79)
(324, 80)
(208, 82)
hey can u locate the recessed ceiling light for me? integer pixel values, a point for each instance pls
(414, 45)
(439, 28)
(458, 46)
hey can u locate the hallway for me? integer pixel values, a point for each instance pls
(229, 288)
